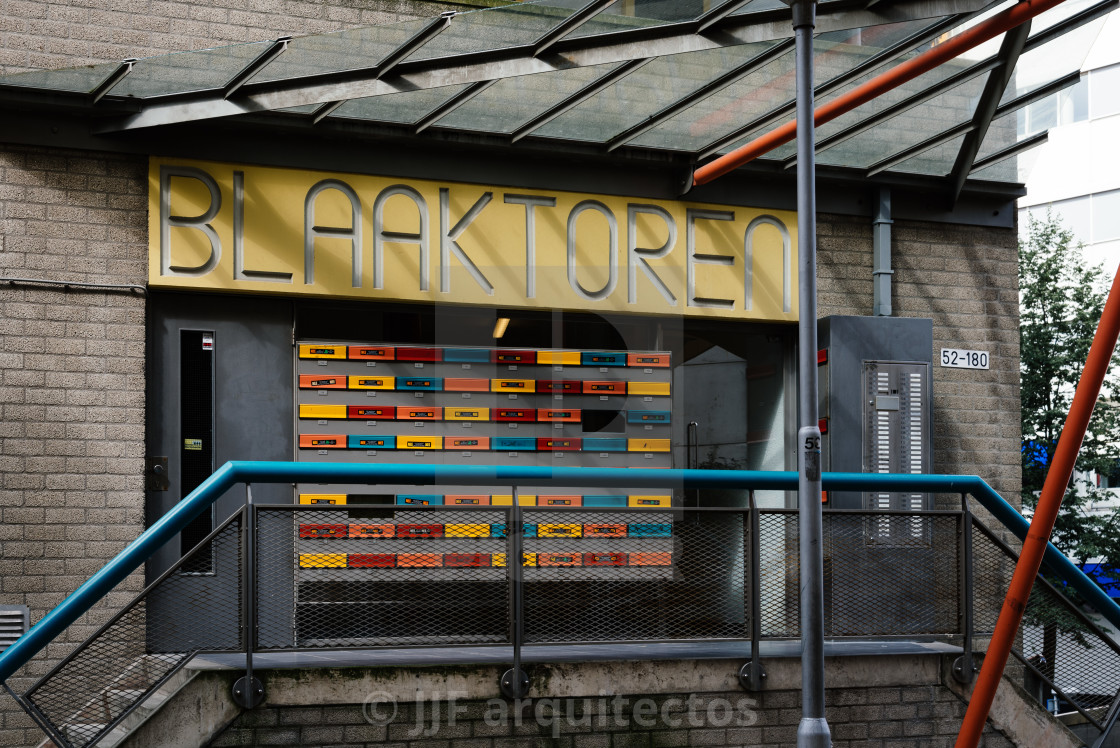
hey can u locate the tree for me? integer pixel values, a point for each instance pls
(1061, 298)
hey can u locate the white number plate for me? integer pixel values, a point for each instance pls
(954, 358)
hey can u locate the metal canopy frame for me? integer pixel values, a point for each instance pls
(412, 64)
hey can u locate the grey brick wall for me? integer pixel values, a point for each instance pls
(71, 381)
(911, 716)
(966, 279)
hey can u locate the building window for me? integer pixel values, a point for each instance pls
(1104, 91)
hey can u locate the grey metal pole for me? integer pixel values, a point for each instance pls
(812, 732)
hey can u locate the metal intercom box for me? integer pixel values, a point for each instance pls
(875, 399)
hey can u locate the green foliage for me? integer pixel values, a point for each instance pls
(1061, 298)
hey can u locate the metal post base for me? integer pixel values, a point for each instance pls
(514, 684)
(813, 733)
(751, 676)
(248, 692)
(964, 669)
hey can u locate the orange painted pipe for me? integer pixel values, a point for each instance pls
(896, 76)
(1042, 523)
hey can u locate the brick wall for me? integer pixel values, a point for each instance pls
(966, 279)
(71, 381)
(45, 35)
(928, 715)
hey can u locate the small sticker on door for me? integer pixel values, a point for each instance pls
(192, 445)
(207, 342)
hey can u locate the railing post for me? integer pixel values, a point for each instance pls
(515, 682)
(964, 668)
(248, 691)
(753, 673)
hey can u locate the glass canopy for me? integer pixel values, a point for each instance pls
(693, 78)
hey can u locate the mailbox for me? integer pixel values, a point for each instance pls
(650, 559)
(604, 531)
(420, 499)
(527, 559)
(467, 530)
(607, 387)
(322, 411)
(513, 444)
(460, 560)
(419, 560)
(371, 383)
(605, 501)
(466, 414)
(419, 531)
(599, 358)
(559, 501)
(604, 559)
(372, 531)
(322, 498)
(647, 445)
(419, 354)
(460, 384)
(650, 501)
(483, 500)
(322, 441)
(655, 417)
(371, 412)
(559, 559)
(372, 560)
(359, 441)
(322, 560)
(554, 530)
(322, 350)
(419, 442)
(321, 382)
(507, 500)
(558, 358)
(421, 384)
(513, 385)
(648, 388)
(558, 415)
(649, 530)
(406, 413)
(514, 357)
(522, 415)
(559, 444)
(570, 386)
(466, 442)
(648, 360)
(371, 353)
(322, 531)
(466, 355)
(603, 444)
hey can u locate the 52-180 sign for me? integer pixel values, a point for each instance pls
(954, 358)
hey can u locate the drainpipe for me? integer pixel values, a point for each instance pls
(881, 254)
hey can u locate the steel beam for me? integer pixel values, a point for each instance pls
(450, 105)
(577, 98)
(709, 88)
(112, 79)
(1021, 146)
(666, 39)
(994, 88)
(568, 25)
(259, 63)
(784, 110)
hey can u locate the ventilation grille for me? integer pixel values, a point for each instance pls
(13, 624)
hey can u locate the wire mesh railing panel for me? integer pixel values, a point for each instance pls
(991, 574)
(891, 574)
(120, 665)
(779, 572)
(352, 577)
(1065, 649)
(631, 576)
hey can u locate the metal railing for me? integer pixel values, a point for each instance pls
(305, 577)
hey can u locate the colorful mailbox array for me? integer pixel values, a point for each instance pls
(493, 443)
(530, 357)
(639, 501)
(475, 384)
(467, 560)
(440, 413)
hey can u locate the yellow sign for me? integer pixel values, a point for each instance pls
(287, 231)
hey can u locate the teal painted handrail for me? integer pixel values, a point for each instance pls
(233, 473)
